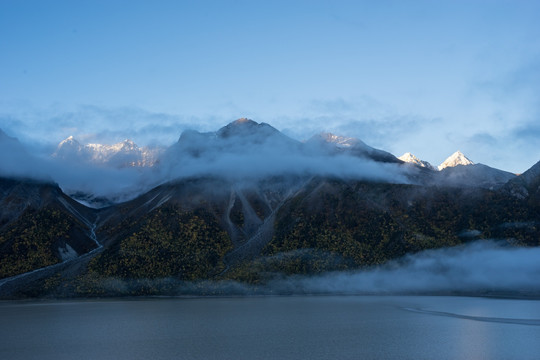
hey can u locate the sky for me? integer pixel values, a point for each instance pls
(427, 77)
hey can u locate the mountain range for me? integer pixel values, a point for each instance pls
(127, 153)
(247, 204)
(123, 154)
(157, 165)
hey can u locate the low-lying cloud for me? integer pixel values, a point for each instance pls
(242, 161)
(480, 267)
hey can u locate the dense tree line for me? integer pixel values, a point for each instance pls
(32, 241)
(169, 242)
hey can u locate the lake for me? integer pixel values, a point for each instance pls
(296, 327)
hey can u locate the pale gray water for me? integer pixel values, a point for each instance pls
(306, 327)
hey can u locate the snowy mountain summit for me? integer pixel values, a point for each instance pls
(339, 141)
(455, 159)
(122, 154)
(410, 158)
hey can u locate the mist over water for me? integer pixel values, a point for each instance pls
(483, 266)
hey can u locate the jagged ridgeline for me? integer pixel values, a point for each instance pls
(205, 228)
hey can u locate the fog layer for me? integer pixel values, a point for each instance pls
(484, 266)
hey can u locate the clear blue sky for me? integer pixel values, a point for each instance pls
(429, 77)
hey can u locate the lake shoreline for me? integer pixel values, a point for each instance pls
(498, 295)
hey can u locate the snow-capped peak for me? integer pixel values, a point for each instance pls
(69, 141)
(122, 154)
(339, 141)
(67, 146)
(410, 158)
(126, 145)
(455, 159)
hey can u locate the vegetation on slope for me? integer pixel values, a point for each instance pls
(371, 223)
(331, 224)
(170, 242)
(32, 241)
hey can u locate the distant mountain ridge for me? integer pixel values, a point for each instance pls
(127, 153)
(242, 149)
(456, 159)
(458, 170)
(123, 154)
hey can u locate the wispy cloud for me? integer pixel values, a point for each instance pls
(369, 119)
(101, 125)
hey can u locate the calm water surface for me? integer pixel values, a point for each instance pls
(317, 327)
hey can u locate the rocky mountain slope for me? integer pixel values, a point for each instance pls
(40, 226)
